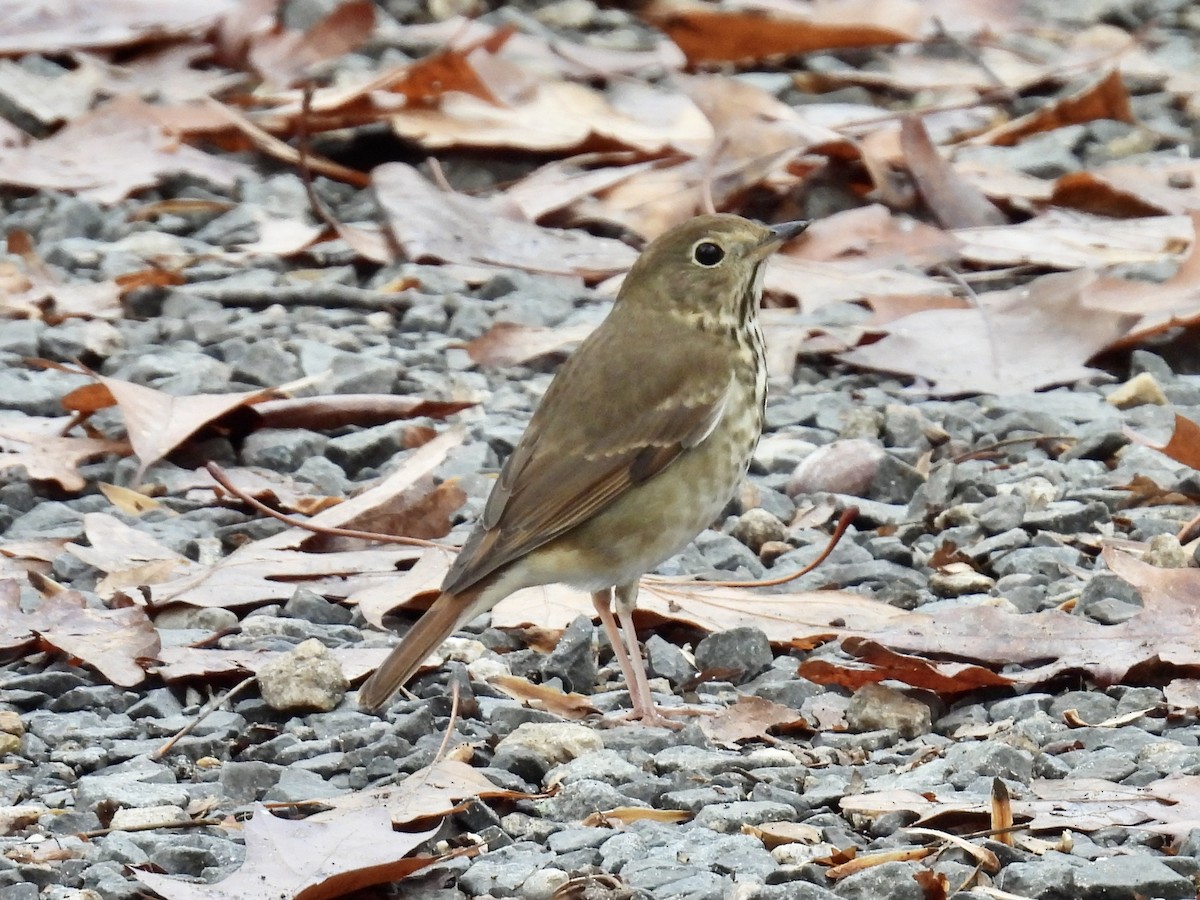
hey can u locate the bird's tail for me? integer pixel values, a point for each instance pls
(438, 623)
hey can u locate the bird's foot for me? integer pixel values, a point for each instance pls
(655, 716)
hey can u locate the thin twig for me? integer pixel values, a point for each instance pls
(210, 707)
(980, 452)
(441, 751)
(190, 823)
(320, 210)
(844, 521)
(222, 479)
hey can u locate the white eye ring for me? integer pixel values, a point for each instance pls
(707, 253)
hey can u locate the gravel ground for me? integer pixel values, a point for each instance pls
(78, 748)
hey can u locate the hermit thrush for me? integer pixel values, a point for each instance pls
(638, 443)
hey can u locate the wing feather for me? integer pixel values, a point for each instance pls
(569, 466)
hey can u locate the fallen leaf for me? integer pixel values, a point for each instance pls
(431, 223)
(436, 790)
(46, 26)
(561, 117)
(568, 705)
(627, 815)
(174, 664)
(954, 202)
(510, 344)
(38, 446)
(284, 57)
(1018, 340)
(1038, 647)
(1122, 190)
(308, 860)
(1065, 239)
(114, 150)
(128, 556)
(944, 678)
(109, 640)
(756, 31)
(1183, 446)
(1170, 805)
(158, 422)
(131, 502)
(1106, 98)
(750, 718)
(325, 413)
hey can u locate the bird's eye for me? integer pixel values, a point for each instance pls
(707, 253)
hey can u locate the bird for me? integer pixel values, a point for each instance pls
(636, 446)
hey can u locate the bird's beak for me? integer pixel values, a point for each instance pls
(781, 234)
(777, 235)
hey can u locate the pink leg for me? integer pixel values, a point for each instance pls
(629, 656)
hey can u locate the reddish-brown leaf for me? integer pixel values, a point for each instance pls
(708, 35)
(1183, 446)
(1105, 98)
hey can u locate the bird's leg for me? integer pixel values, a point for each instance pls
(639, 685)
(629, 657)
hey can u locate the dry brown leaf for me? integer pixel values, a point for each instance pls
(208, 664)
(510, 344)
(423, 512)
(38, 446)
(272, 568)
(954, 202)
(561, 117)
(569, 705)
(339, 410)
(783, 27)
(886, 309)
(273, 488)
(1064, 239)
(415, 467)
(404, 590)
(1051, 643)
(157, 422)
(1183, 446)
(255, 574)
(308, 860)
(431, 223)
(44, 26)
(1161, 307)
(750, 718)
(109, 640)
(131, 502)
(777, 834)
(816, 284)
(987, 860)
(436, 790)
(878, 858)
(1183, 694)
(627, 815)
(284, 57)
(873, 659)
(1123, 191)
(1105, 98)
(1019, 340)
(874, 236)
(1170, 805)
(128, 556)
(114, 150)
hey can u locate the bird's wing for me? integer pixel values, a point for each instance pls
(587, 444)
